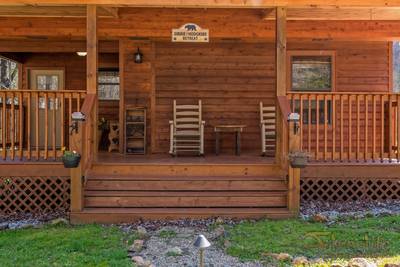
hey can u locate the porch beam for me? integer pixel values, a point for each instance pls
(113, 11)
(213, 3)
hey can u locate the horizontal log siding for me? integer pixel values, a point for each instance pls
(229, 78)
(360, 67)
(75, 73)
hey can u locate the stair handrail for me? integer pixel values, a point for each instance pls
(82, 140)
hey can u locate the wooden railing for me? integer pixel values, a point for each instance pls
(34, 124)
(339, 126)
(82, 140)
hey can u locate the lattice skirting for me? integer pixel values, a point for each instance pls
(34, 194)
(345, 189)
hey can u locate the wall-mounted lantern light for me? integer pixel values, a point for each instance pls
(138, 56)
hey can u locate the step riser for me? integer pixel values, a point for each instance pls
(187, 170)
(108, 217)
(137, 185)
(186, 202)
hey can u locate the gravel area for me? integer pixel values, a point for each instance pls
(170, 243)
(30, 220)
(351, 209)
(161, 250)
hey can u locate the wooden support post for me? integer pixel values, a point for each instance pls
(77, 143)
(281, 51)
(280, 82)
(91, 65)
(294, 173)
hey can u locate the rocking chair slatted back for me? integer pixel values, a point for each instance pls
(187, 129)
(268, 129)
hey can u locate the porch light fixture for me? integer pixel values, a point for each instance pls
(138, 57)
(201, 243)
(81, 54)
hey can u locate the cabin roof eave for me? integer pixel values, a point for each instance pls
(213, 3)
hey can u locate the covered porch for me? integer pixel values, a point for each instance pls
(249, 58)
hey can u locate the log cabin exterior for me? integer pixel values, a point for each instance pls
(351, 130)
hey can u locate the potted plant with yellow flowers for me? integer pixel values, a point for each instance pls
(70, 159)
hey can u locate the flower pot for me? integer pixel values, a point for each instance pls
(71, 162)
(298, 162)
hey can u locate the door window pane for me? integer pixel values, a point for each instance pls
(47, 82)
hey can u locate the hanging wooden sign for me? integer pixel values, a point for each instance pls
(190, 32)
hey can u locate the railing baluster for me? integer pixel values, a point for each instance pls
(358, 128)
(69, 109)
(317, 128)
(12, 137)
(46, 127)
(62, 114)
(29, 155)
(325, 128)
(54, 131)
(301, 121)
(373, 128)
(366, 128)
(309, 125)
(398, 127)
(341, 129)
(4, 126)
(350, 125)
(21, 126)
(382, 127)
(390, 127)
(78, 103)
(333, 123)
(37, 121)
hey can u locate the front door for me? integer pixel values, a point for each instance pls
(46, 80)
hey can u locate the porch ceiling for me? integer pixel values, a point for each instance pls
(214, 3)
(320, 12)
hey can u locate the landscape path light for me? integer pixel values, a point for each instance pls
(201, 243)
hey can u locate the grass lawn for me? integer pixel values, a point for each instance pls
(89, 245)
(373, 238)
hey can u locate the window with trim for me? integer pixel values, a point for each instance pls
(108, 84)
(312, 71)
(8, 73)
(8, 77)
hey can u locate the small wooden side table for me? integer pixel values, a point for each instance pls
(237, 129)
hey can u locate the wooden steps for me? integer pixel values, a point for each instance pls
(122, 192)
(120, 215)
(186, 169)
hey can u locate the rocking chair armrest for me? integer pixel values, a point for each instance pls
(171, 122)
(202, 122)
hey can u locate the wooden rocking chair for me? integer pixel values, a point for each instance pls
(268, 130)
(187, 130)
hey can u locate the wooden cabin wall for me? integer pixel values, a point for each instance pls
(223, 23)
(360, 67)
(232, 77)
(74, 66)
(137, 81)
(75, 73)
